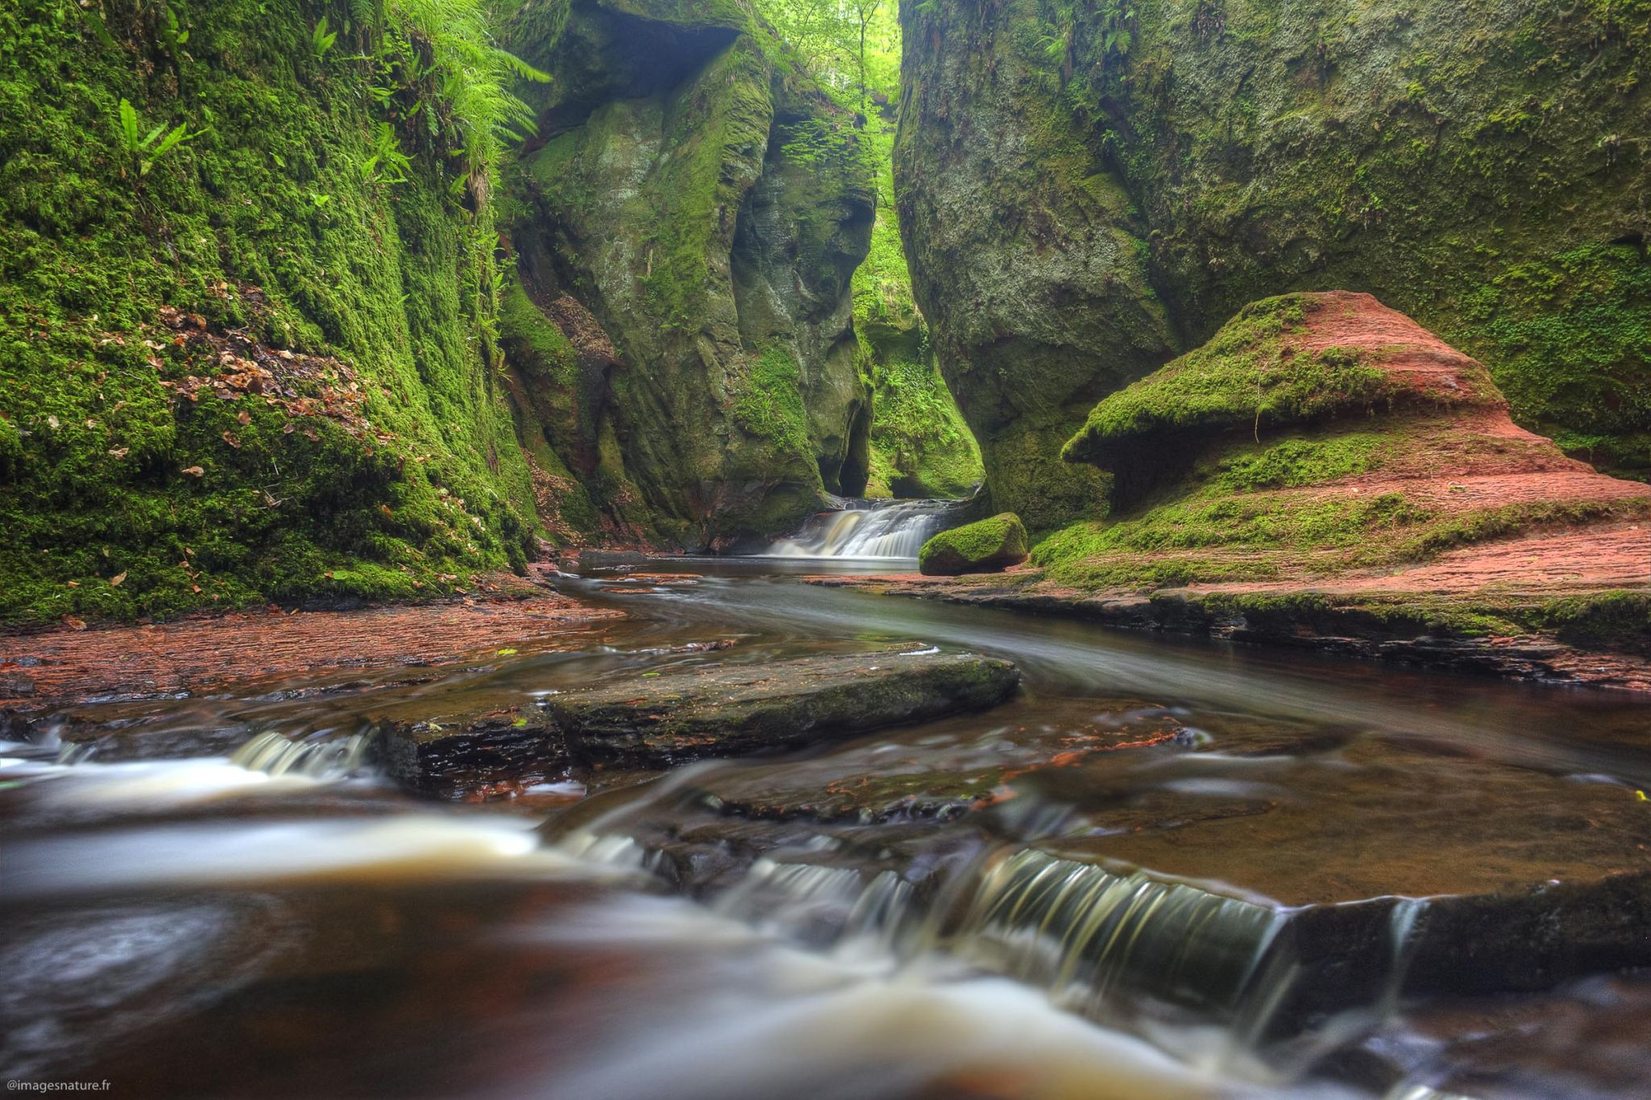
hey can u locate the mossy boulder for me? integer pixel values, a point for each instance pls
(986, 546)
(1086, 194)
(707, 206)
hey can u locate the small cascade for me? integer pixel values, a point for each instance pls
(821, 902)
(275, 754)
(1081, 931)
(871, 529)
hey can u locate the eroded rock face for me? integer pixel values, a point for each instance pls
(1319, 436)
(1084, 197)
(709, 209)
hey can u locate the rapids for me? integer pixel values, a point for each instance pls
(265, 915)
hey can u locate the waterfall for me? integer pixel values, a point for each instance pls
(1080, 930)
(871, 529)
(276, 754)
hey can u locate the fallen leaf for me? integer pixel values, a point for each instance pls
(117, 580)
(73, 623)
(193, 471)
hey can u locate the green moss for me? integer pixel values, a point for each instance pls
(273, 225)
(1243, 377)
(1300, 461)
(1619, 620)
(1569, 337)
(769, 404)
(984, 546)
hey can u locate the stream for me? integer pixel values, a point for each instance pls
(226, 898)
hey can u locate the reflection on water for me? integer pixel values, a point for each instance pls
(260, 915)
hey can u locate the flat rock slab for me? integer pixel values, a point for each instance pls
(499, 743)
(741, 709)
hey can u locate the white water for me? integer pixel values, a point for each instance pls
(870, 529)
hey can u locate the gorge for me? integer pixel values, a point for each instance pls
(992, 548)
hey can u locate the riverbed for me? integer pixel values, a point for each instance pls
(184, 915)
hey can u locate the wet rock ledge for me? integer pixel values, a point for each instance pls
(719, 710)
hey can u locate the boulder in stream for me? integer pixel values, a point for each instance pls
(986, 546)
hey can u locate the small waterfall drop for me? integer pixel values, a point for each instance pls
(1079, 930)
(871, 529)
(275, 754)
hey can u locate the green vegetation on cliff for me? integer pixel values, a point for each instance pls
(919, 445)
(246, 304)
(705, 205)
(1088, 189)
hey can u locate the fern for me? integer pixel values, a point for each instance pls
(322, 39)
(146, 151)
(452, 52)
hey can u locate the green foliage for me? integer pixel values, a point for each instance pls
(851, 46)
(322, 39)
(143, 153)
(769, 404)
(441, 55)
(920, 445)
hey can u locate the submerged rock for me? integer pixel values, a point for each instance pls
(1386, 870)
(986, 546)
(736, 710)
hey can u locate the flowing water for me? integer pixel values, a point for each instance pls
(872, 530)
(220, 895)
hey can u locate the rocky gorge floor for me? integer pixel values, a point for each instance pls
(1147, 837)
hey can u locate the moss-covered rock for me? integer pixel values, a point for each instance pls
(708, 207)
(1315, 435)
(1089, 189)
(257, 365)
(985, 546)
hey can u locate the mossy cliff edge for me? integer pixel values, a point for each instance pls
(706, 208)
(251, 359)
(1088, 189)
